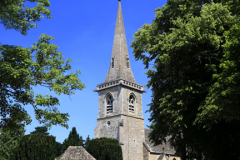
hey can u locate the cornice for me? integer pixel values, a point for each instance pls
(123, 82)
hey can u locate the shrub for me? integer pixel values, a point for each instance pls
(105, 149)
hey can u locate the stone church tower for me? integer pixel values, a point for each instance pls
(120, 100)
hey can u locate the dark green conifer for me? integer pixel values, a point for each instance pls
(40, 130)
(58, 149)
(86, 142)
(81, 141)
(73, 140)
(105, 149)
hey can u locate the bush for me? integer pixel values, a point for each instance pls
(105, 149)
(37, 147)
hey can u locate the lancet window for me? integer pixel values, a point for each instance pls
(109, 104)
(112, 62)
(127, 62)
(131, 103)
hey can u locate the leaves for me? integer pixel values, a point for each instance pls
(14, 14)
(105, 148)
(42, 65)
(22, 68)
(39, 65)
(40, 130)
(224, 93)
(73, 140)
(9, 141)
(193, 46)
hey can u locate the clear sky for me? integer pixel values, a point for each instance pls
(84, 32)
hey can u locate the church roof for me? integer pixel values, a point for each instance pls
(76, 153)
(120, 64)
(158, 148)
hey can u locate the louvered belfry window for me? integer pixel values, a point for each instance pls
(109, 104)
(131, 103)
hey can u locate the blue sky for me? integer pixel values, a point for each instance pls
(84, 31)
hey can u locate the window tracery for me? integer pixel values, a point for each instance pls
(109, 104)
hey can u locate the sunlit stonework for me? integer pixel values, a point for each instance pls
(120, 105)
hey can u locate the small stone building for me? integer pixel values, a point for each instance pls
(76, 153)
(120, 105)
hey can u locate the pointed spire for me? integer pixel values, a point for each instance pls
(120, 65)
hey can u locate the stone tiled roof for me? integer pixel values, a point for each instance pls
(76, 153)
(158, 148)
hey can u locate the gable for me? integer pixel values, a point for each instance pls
(162, 157)
(76, 153)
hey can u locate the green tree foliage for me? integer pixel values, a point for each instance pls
(40, 130)
(39, 65)
(59, 147)
(81, 141)
(193, 47)
(73, 140)
(86, 142)
(35, 146)
(43, 130)
(105, 149)
(14, 14)
(9, 141)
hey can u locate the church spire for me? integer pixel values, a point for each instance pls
(120, 65)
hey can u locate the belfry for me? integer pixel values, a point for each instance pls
(120, 99)
(120, 103)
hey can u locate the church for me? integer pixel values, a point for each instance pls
(120, 105)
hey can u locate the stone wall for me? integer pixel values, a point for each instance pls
(145, 153)
(131, 132)
(120, 95)
(153, 156)
(133, 138)
(103, 128)
(172, 158)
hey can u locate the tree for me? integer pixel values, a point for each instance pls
(40, 130)
(43, 130)
(21, 68)
(73, 140)
(193, 47)
(81, 141)
(14, 14)
(105, 149)
(35, 146)
(59, 149)
(87, 142)
(8, 142)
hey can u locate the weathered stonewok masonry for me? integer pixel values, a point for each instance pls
(120, 105)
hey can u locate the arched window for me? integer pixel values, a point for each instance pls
(109, 104)
(131, 103)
